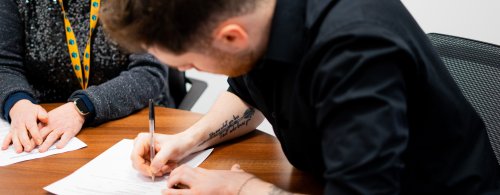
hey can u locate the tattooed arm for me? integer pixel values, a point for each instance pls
(228, 118)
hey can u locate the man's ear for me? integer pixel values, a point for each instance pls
(231, 38)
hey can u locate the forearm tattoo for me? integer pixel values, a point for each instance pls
(278, 191)
(230, 126)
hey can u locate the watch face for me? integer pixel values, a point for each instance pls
(81, 106)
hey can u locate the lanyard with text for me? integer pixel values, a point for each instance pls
(74, 53)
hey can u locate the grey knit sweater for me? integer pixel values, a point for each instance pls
(34, 59)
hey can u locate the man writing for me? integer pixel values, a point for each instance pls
(353, 89)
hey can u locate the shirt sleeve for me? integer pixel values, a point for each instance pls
(12, 74)
(13, 99)
(360, 102)
(144, 79)
(238, 87)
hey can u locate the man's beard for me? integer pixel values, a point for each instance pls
(234, 65)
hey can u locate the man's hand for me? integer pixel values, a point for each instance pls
(203, 181)
(24, 133)
(63, 124)
(169, 150)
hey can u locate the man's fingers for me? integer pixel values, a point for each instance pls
(6, 141)
(164, 170)
(140, 156)
(51, 139)
(33, 144)
(161, 158)
(25, 140)
(64, 139)
(139, 150)
(169, 167)
(17, 145)
(32, 127)
(181, 175)
(42, 115)
(141, 165)
(172, 191)
(45, 131)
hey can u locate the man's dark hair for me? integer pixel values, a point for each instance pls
(175, 25)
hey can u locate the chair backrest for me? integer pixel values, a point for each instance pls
(475, 67)
(184, 99)
(177, 85)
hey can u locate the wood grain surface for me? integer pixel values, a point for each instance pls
(257, 153)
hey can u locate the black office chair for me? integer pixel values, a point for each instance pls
(475, 67)
(184, 98)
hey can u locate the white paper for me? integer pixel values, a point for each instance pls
(10, 156)
(4, 125)
(112, 173)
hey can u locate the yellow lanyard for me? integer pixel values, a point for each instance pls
(74, 53)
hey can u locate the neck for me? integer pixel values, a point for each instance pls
(258, 24)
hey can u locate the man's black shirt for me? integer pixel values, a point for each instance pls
(356, 94)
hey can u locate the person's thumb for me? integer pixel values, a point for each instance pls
(236, 167)
(43, 116)
(160, 159)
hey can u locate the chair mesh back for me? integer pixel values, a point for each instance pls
(475, 67)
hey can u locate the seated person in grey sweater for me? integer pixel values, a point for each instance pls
(56, 51)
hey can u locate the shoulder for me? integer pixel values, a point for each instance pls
(348, 12)
(363, 26)
(386, 19)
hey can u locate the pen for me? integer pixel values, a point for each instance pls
(152, 134)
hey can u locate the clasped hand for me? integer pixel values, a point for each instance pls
(32, 126)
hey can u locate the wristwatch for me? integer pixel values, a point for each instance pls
(80, 106)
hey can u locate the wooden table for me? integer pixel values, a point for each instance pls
(257, 153)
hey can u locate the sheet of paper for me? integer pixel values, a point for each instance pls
(4, 126)
(112, 173)
(10, 156)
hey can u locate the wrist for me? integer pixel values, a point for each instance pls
(79, 109)
(17, 105)
(194, 138)
(254, 185)
(80, 106)
(12, 100)
(245, 183)
(83, 106)
(77, 113)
